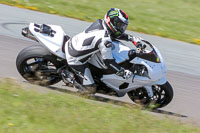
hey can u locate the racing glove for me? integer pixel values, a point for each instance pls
(135, 40)
(126, 74)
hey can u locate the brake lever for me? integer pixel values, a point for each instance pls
(144, 46)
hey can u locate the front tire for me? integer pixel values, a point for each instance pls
(163, 94)
(37, 65)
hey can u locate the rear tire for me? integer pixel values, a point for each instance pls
(163, 94)
(37, 65)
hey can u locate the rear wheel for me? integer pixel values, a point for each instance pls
(163, 94)
(38, 65)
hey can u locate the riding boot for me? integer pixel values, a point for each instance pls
(68, 77)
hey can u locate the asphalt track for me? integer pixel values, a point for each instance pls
(182, 59)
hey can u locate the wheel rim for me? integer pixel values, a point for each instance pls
(159, 94)
(39, 70)
(140, 96)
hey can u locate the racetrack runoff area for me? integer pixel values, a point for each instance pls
(182, 59)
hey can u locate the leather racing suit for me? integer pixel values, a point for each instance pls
(80, 48)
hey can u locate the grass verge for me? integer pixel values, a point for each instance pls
(172, 19)
(25, 110)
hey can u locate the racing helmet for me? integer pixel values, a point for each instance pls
(117, 21)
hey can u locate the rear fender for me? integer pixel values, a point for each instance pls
(53, 43)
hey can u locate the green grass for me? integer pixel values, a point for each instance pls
(28, 111)
(176, 19)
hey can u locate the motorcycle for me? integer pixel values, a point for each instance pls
(41, 64)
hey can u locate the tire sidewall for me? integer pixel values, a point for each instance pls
(38, 52)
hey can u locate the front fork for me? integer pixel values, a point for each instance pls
(149, 91)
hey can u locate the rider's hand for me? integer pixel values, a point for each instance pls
(135, 40)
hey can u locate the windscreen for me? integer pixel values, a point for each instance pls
(149, 53)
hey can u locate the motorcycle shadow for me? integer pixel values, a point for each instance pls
(117, 102)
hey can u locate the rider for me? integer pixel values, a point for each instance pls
(97, 38)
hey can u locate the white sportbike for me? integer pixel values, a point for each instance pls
(42, 63)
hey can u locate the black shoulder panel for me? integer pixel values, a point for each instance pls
(36, 30)
(88, 41)
(37, 25)
(95, 26)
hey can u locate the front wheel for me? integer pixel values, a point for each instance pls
(163, 94)
(37, 65)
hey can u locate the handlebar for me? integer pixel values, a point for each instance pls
(140, 47)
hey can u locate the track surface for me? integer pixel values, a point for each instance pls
(182, 59)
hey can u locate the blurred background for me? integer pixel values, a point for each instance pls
(44, 110)
(176, 19)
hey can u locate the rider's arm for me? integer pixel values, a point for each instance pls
(106, 52)
(125, 37)
(105, 48)
(129, 37)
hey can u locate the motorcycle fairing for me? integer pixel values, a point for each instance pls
(120, 52)
(53, 43)
(156, 71)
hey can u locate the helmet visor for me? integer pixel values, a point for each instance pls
(121, 26)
